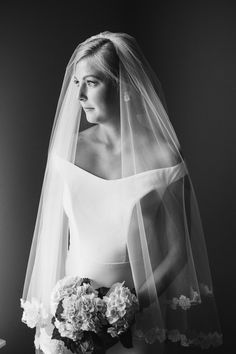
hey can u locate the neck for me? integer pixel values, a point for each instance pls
(109, 134)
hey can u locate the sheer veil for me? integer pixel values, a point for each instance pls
(174, 303)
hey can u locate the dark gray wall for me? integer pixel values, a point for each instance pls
(192, 47)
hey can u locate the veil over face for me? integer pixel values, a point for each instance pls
(165, 239)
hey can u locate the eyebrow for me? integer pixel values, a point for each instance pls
(96, 77)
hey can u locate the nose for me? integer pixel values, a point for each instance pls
(82, 94)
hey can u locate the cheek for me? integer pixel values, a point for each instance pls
(111, 98)
(103, 98)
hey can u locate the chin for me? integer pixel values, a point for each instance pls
(93, 119)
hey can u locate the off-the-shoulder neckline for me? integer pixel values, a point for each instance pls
(137, 175)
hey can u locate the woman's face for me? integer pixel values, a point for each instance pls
(97, 95)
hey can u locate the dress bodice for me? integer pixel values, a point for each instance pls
(99, 210)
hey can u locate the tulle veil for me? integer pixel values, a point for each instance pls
(176, 308)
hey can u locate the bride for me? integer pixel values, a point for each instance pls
(117, 204)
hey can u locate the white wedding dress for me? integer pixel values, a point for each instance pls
(99, 213)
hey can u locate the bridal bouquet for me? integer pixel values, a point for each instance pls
(89, 320)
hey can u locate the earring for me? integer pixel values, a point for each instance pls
(126, 97)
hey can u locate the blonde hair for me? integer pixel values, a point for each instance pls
(104, 56)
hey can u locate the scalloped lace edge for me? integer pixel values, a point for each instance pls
(45, 343)
(201, 339)
(185, 302)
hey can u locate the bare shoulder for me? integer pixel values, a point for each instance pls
(160, 153)
(168, 155)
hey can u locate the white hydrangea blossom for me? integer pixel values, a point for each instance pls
(121, 307)
(82, 308)
(64, 287)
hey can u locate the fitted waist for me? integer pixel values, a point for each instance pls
(102, 273)
(107, 264)
(87, 258)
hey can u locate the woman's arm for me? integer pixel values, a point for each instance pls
(176, 254)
